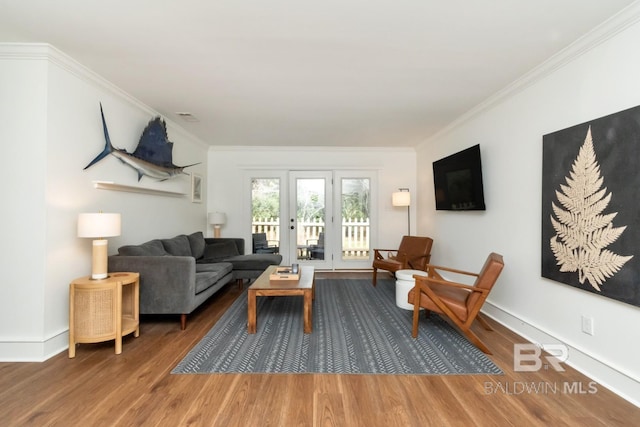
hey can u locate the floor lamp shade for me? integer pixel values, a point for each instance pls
(98, 226)
(403, 198)
(217, 219)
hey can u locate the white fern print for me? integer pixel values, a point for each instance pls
(581, 227)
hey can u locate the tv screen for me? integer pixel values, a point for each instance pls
(457, 181)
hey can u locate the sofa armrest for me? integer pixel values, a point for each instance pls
(239, 242)
(167, 283)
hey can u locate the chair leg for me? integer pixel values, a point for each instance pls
(416, 319)
(476, 341)
(483, 322)
(466, 330)
(375, 276)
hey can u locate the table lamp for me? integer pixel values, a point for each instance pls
(403, 198)
(99, 226)
(217, 219)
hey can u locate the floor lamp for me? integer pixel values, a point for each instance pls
(403, 198)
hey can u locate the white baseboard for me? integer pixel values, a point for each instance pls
(34, 351)
(616, 380)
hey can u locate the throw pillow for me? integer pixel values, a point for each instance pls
(177, 246)
(220, 251)
(150, 248)
(197, 243)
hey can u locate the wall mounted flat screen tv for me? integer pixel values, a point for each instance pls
(458, 181)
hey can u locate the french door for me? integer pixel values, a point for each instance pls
(311, 218)
(320, 218)
(354, 202)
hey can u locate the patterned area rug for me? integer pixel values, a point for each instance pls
(357, 329)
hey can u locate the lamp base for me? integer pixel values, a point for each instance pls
(216, 231)
(99, 260)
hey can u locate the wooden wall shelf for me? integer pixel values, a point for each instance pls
(107, 185)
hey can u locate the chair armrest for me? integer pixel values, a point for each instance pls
(378, 255)
(448, 283)
(452, 270)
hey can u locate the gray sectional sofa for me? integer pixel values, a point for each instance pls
(178, 274)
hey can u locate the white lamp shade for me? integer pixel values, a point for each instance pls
(217, 218)
(401, 198)
(98, 225)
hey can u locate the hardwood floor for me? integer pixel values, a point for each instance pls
(99, 388)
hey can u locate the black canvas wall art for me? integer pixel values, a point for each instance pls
(590, 200)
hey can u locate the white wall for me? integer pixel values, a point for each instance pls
(54, 130)
(229, 166)
(572, 88)
(23, 139)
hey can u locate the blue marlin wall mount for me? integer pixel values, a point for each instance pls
(153, 157)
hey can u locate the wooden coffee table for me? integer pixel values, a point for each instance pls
(264, 287)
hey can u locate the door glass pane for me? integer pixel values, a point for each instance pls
(310, 217)
(356, 201)
(265, 215)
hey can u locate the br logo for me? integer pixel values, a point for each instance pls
(529, 358)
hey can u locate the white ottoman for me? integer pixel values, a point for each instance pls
(404, 283)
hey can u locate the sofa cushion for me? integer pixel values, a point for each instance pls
(225, 267)
(177, 246)
(150, 248)
(197, 244)
(214, 272)
(219, 251)
(254, 261)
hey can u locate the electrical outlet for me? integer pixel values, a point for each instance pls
(587, 325)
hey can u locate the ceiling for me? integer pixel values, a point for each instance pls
(308, 73)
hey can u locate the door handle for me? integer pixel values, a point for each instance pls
(292, 227)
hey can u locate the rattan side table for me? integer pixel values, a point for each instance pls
(105, 309)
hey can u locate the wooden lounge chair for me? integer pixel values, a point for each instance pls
(459, 302)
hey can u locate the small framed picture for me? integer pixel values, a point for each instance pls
(196, 188)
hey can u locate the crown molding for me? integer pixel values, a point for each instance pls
(610, 28)
(323, 149)
(47, 52)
